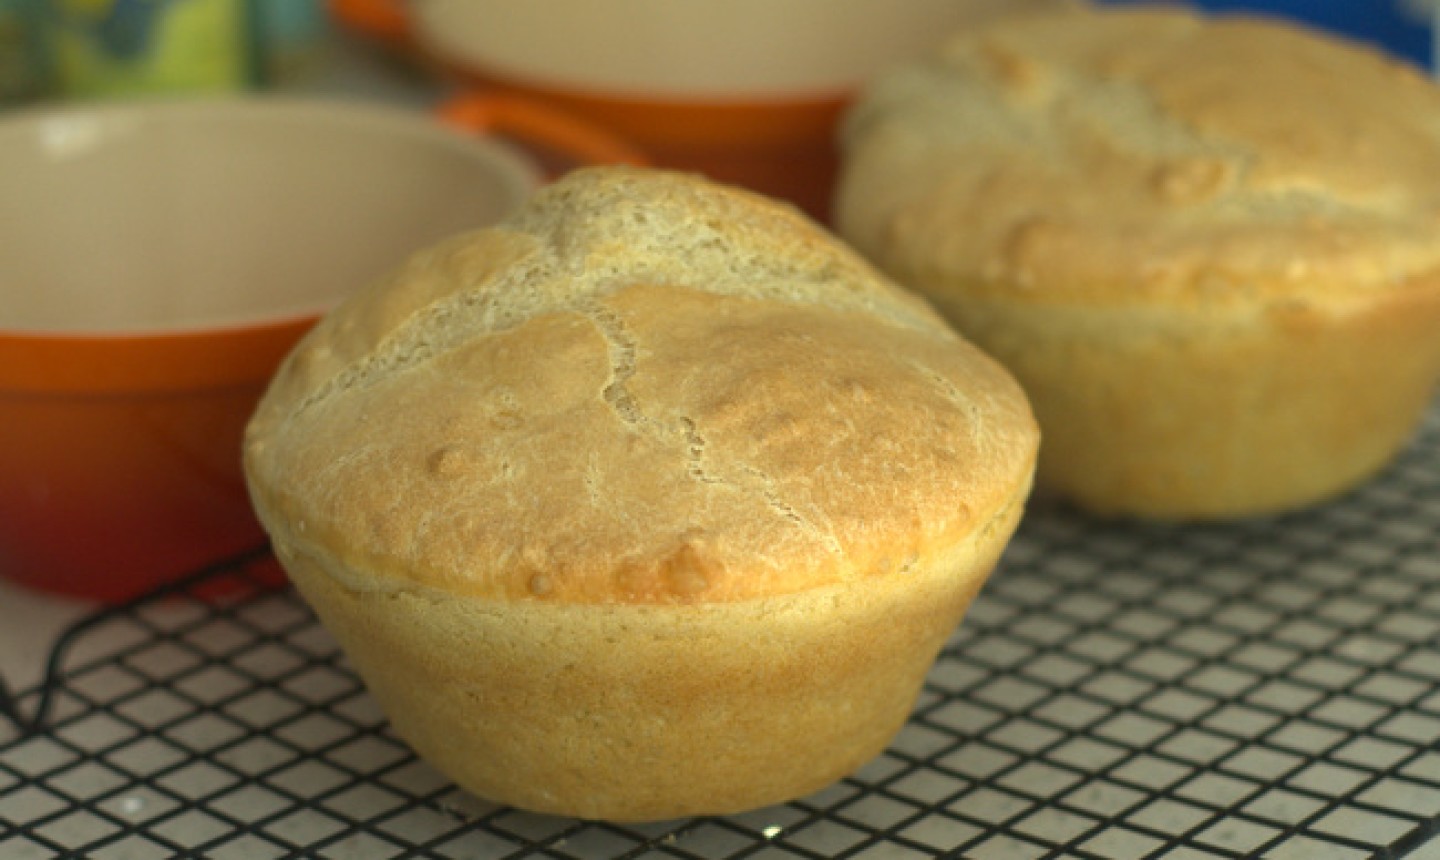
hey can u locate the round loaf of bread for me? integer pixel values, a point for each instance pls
(653, 501)
(1208, 248)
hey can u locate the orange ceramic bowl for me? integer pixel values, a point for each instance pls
(158, 261)
(746, 91)
(785, 149)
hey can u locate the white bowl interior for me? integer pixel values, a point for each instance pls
(695, 49)
(168, 216)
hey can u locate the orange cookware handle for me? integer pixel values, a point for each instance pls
(384, 19)
(533, 123)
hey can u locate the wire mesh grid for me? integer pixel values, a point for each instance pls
(1266, 689)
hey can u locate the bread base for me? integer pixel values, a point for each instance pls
(1168, 414)
(633, 713)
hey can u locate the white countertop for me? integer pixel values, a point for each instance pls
(30, 621)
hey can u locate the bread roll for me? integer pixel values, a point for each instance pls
(652, 501)
(1207, 247)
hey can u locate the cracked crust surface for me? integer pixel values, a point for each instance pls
(642, 389)
(1148, 157)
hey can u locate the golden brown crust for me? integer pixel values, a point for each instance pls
(1148, 157)
(642, 389)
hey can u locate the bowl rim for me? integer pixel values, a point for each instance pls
(518, 173)
(230, 349)
(153, 362)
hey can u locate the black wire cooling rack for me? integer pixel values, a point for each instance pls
(1269, 689)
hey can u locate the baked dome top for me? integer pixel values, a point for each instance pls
(642, 388)
(1147, 155)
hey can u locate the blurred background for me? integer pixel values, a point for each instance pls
(751, 92)
(84, 49)
(75, 49)
(1402, 27)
